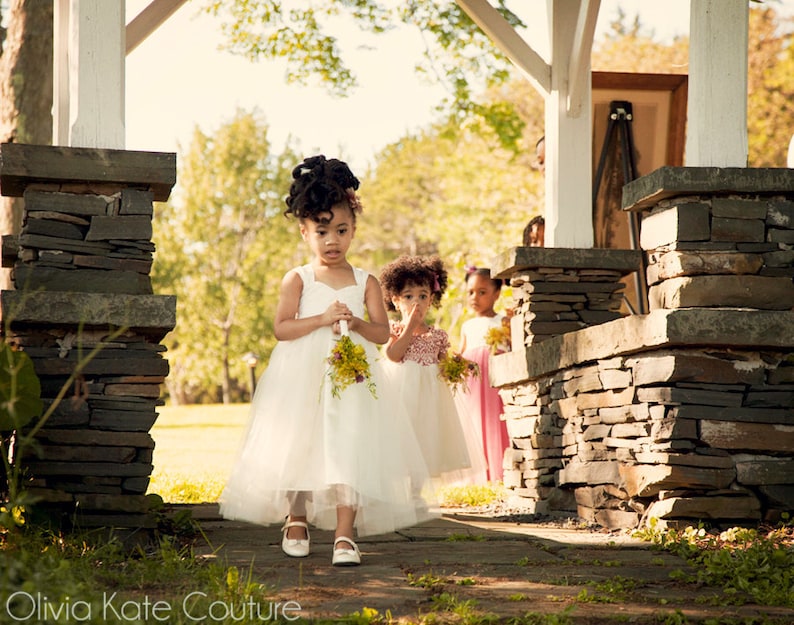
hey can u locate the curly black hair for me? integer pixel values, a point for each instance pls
(419, 270)
(318, 185)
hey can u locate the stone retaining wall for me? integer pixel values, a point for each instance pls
(686, 413)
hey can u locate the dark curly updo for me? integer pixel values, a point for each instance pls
(318, 185)
(426, 271)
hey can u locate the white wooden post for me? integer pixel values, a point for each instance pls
(89, 48)
(569, 177)
(717, 99)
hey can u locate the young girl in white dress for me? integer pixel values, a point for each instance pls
(451, 449)
(335, 458)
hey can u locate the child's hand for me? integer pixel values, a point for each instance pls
(416, 318)
(335, 313)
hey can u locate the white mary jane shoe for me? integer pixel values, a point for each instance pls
(346, 557)
(295, 547)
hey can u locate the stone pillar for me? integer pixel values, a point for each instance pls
(555, 291)
(717, 237)
(81, 271)
(559, 290)
(684, 414)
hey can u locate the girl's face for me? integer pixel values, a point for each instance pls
(413, 295)
(329, 241)
(482, 295)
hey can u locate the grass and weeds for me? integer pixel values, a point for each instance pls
(93, 578)
(472, 496)
(740, 565)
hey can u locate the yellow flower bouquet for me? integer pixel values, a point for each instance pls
(348, 365)
(454, 369)
(498, 338)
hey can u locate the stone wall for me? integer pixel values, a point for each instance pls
(686, 413)
(80, 268)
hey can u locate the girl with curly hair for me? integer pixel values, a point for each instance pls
(337, 459)
(412, 286)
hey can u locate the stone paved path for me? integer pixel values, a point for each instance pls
(479, 565)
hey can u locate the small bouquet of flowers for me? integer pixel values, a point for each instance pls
(348, 365)
(454, 369)
(498, 338)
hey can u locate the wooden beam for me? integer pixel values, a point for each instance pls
(579, 66)
(717, 104)
(149, 19)
(510, 43)
(569, 141)
(88, 87)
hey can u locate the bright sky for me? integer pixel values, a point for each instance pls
(178, 79)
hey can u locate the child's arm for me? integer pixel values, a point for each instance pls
(377, 328)
(286, 326)
(398, 345)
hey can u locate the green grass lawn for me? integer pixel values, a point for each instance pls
(194, 451)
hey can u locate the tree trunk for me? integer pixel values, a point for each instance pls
(25, 91)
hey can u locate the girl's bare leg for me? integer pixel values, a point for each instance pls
(345, 517)
(297, 512)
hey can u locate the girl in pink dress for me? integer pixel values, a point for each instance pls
(482, 400)
(449, 444)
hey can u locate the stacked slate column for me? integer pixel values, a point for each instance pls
(559, 290)
(555, 291)
(82, 302)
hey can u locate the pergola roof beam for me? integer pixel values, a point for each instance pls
(148, 20)
(520, 53)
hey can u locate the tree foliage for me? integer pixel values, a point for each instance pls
(770, 105)
(223, 246)
(312, 37)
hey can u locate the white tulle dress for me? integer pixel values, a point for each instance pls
(303, 443)
(450, 444)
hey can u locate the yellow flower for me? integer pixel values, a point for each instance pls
(454, 369)
(498, 338)
(348, 365)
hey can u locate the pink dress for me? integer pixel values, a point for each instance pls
(449, 443)
(482, 400)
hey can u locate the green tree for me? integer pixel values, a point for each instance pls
(770, 104)
(311, 38)
(463, 197)
(629, 47)
(223, 247)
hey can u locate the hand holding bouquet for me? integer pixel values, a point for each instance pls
(348, 365)
(454, 369)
